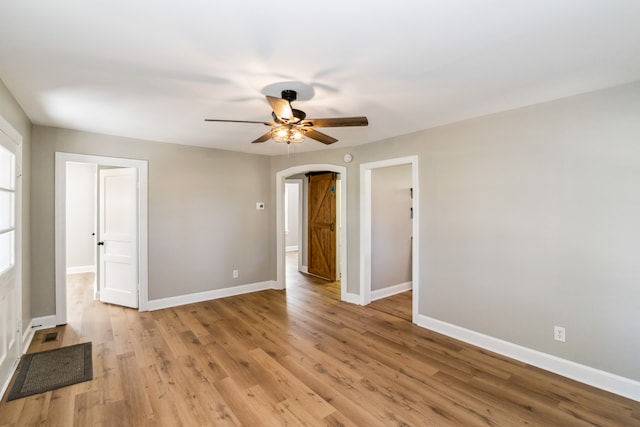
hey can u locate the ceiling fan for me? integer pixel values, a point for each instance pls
(291, 125)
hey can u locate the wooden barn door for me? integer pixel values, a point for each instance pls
(322, 225)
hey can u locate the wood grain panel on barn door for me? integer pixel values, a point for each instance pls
(322, 225)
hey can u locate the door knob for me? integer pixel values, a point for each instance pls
(100, 243)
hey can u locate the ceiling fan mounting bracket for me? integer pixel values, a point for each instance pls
(289, 95)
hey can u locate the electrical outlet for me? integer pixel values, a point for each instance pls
(235, 274)
(559, 334)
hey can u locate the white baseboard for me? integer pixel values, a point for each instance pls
(81, 269)
(159, 304)
(352, 298)
(291, 248)
(304, 269)
(585, 374)
(12, 371)
(391, 290)
(27, 336)
(43, 322)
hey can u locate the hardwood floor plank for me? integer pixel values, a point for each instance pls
(450, 409)
(138, 407)
(350, 382)
(337, 419)
(291, 388)
(542, 406)
(170, 326)
(61, 408)
(164, 408)
(398, 305)
(35, 409)
(356, 412)
(122, 339)
(106, 370)
(205, 399)
(11, 412)
(247, 405)
(90, 410)
(297, 412)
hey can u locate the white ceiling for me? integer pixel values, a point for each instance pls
(155, 69)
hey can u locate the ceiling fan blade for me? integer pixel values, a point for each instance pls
(319, 136)
(263, 138)
(336, 122)
(281, 108)
(240, 121)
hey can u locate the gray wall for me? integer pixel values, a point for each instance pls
(11, 111)
(390, 226)
(81, 214)
(203, 221)
(529, 219)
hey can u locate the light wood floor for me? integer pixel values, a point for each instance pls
(295, 357)
(398, 305)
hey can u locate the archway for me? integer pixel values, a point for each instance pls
(280, 239)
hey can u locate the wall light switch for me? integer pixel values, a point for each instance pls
(260, 206)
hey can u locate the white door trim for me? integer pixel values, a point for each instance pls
(21, 334)
(280, 238)
(60, 225)
(365, 228)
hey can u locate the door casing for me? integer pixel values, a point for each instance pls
(20, 336)
(61, 160)
(365, 228)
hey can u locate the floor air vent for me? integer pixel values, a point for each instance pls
(51, 336)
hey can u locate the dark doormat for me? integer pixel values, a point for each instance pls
(52, 369)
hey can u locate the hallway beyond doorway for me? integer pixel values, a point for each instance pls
(297, 280)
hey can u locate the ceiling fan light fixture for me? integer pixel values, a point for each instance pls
(290, 125)
(287, 134)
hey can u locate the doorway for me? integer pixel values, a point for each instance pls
(342, 230)
(81, 213)
(62, 162)
(366, 264)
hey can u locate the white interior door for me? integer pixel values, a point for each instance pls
(118, 236)
(9, 292)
